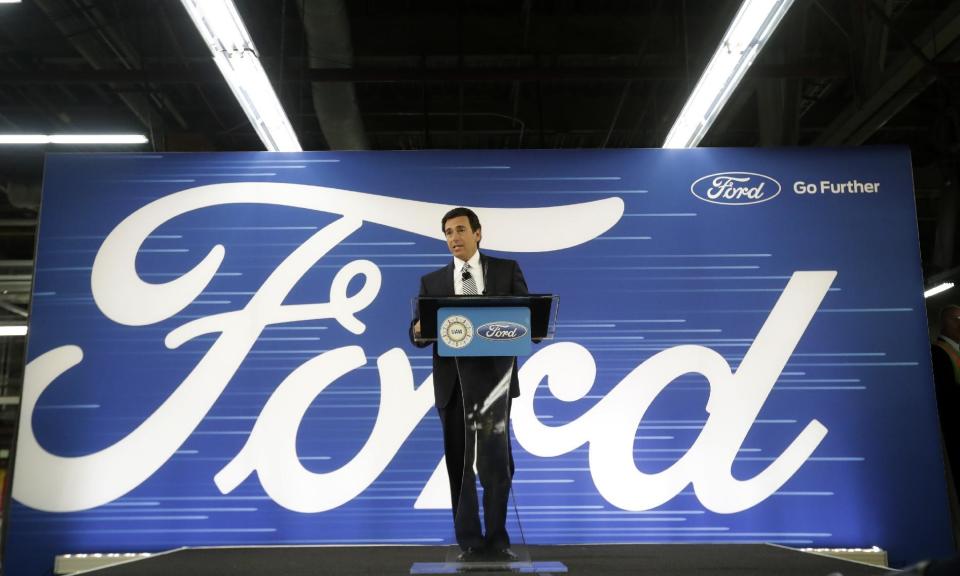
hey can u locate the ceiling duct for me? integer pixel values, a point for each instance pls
(329, 46)
(24, 195)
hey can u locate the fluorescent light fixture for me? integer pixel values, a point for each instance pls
(751, 28)
(72, 138)
(18, 330)
(9, 1)
(233, 51)
(938, 289)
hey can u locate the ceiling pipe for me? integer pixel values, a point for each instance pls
(329, 46)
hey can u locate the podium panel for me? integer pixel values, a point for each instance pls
(495, 331)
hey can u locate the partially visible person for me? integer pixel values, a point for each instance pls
(946, 376)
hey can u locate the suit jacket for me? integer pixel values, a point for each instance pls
(501, 277)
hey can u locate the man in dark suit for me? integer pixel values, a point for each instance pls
(464, 386)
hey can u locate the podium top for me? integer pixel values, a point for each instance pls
(542, 322)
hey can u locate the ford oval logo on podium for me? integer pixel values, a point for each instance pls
(735, 188)
(501, 331)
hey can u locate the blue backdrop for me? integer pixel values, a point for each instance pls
(270, 395)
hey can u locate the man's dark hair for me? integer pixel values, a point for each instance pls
(461, 211)
(947, 310)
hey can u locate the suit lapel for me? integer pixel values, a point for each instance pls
(484, 263)
(446, 285)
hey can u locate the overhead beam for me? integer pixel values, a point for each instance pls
(205, 75)
(88, 31)
(938, 49)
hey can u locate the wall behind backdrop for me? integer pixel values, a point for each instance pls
(218, 350)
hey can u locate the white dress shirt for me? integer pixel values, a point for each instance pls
(476, 270)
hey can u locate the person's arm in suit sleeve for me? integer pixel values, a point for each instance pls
(518, 286)
(414, 331)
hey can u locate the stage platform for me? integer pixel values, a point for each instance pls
(626, 559)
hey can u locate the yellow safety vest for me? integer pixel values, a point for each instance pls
(954, 358)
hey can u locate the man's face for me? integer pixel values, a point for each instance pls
(950, 323)
(462, 240)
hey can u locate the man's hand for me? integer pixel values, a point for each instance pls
(416, 337)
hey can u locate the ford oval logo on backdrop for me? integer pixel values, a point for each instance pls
(501, 331)
(735, 188)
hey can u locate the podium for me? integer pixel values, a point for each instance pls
(541, 320)
(483, 335)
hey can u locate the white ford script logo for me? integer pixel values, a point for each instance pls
(501, 330)
(735, 188)
(606, 430)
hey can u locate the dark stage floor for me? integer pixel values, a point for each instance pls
(633, 559)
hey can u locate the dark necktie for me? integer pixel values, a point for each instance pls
(469, 285)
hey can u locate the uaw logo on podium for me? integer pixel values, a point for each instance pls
(455, 331)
